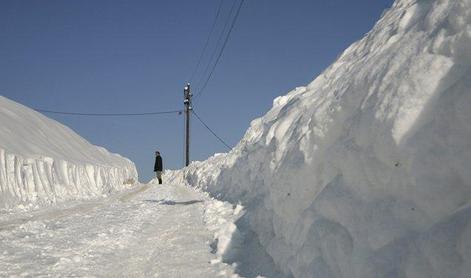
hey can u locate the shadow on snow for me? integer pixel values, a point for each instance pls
(173, 203)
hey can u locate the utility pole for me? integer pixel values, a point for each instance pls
(187, 101)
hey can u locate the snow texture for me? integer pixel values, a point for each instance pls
(365, 172)
(150, 231)
(43, 161)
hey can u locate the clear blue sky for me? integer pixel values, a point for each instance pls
(135, 56)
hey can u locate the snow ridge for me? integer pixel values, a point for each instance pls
(365, 171)
(42, 161)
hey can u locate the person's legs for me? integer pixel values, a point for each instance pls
(158, 174)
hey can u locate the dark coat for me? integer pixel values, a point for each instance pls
(158, 166)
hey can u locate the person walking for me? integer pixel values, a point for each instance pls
(158, 166)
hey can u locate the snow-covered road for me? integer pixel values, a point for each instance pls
(152, 231)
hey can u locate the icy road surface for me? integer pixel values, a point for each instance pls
(151, 231)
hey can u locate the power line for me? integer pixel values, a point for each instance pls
(226, 39)
(207, 41)
(210, 130)
(218, 42)
(221, 50)
(108, 114)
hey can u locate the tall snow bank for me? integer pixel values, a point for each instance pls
(365, 172)
(42, 160)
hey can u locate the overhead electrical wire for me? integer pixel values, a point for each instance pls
(208, 39)
(210, 130)
(219, 55)
(220, 39)
(109, 114)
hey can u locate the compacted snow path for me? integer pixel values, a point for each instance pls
(152, 231)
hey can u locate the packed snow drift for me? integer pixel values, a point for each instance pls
(365, 172)
(43, 161)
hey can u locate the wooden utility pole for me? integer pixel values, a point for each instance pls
(187, 101)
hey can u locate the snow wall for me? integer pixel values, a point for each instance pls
(366, 171)
(43, 161)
